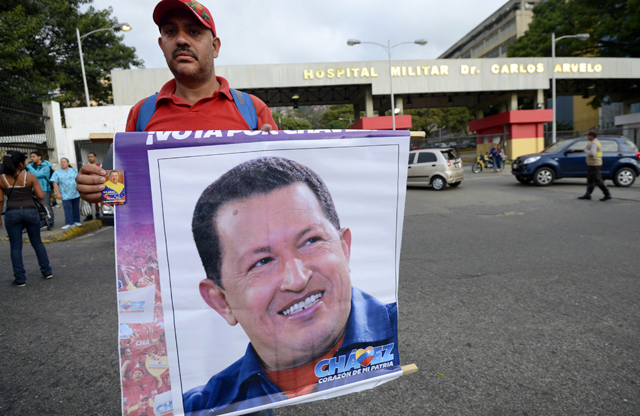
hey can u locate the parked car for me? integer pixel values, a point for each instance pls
(435, 168)
(566, 159)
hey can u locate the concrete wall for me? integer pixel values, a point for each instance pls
(453, 75)
(80, 122)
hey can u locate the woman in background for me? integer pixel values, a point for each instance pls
(64, 184)
(19, 186)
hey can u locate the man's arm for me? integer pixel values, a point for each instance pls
(591, 149)
(39, 173)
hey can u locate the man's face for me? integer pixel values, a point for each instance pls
(285, 273)
(35, 158)
(92, 158)
(188, 47)
(114, 177)
(591, 138)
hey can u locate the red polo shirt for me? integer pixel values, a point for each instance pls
(217, 112)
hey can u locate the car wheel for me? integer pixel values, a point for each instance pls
(544, 177)
(454, 185)
(624, 177)
(438, 183)
(523, 179)
(476, 168)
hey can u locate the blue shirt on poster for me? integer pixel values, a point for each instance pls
(244, 384)
(66, 183)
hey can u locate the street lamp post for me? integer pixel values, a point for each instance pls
(581, 36)
(389, 49)
(122, 26)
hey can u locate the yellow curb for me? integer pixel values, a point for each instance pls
(64, 235)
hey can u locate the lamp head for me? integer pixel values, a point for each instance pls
(421, 42)
(352, 42)
(583, 36)
(122, 26)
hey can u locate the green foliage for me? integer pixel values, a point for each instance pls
(613, 26)
(39, 57)
(331, 118)
(290, 123)
(430, 120)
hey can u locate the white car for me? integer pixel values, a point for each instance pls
(435, 168)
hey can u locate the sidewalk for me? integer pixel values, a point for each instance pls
(57, 233)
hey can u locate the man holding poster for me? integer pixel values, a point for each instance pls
(277, 263)
(196, 99)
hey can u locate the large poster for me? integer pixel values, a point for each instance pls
(272, 263)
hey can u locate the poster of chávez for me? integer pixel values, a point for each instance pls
(278, 262)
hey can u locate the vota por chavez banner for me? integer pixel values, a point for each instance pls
(257, 270)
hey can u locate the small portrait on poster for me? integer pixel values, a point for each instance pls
(283, 271)
(114, 192)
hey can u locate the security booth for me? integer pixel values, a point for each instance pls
(520, 132)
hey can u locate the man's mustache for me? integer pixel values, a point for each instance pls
(184, 49)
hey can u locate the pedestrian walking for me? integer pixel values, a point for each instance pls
(64, 184)
(498, 156)
(594, 165)
(42, 169)
(19, 186)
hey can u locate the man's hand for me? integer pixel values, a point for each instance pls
(90, 181)
(267, 127)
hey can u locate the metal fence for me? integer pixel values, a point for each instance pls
(632, 134)
(22, 127)
(467, 144)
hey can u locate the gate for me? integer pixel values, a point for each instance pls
(22, 127)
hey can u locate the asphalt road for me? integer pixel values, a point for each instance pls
(514, 300)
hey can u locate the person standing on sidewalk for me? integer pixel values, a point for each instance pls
(594, 165)
(19, 186)
(42, 170)
(64, 183)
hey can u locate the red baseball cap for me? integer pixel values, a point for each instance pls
(201, 12)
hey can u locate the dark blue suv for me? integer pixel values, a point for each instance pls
(566, 159)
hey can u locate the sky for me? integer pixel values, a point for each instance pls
(256, 32)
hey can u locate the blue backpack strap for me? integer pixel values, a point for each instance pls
(147, 110)
(244, 103)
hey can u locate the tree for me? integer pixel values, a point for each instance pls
(430, 120)
(331, 118)
(612, 25)
(288, 123)
(39, 57)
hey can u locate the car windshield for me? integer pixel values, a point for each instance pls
(558, 147)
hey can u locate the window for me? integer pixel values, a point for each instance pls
(411, 157)
(493, 53)
(578, 146)
(426, 157)
(631, 145)
(508, 27)
(449, 155)
(610, 146)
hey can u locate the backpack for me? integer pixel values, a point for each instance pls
(242, 100)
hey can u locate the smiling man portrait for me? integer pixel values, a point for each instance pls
(277, 263)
